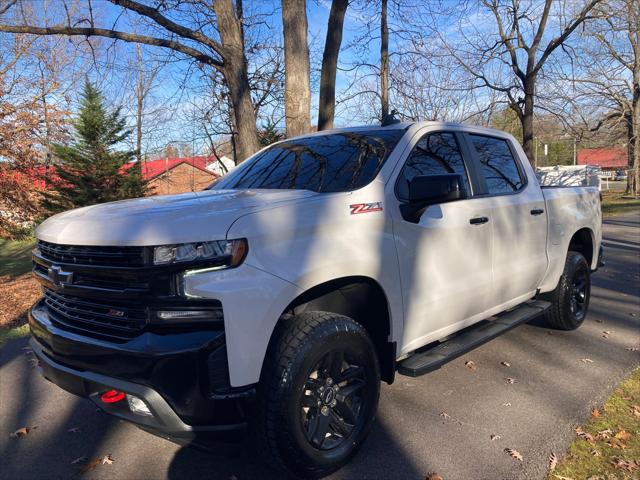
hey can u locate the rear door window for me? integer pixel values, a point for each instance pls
(497, 164)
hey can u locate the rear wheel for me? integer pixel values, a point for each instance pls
(570, 299)
(318, 393)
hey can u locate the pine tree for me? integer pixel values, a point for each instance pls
(91, 169)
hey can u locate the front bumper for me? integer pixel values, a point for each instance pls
(171, 373)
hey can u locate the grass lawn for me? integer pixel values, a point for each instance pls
(15, 257)
(608, 447)
(615, 203)
(19, 289)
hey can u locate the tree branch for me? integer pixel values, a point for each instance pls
(124, 36)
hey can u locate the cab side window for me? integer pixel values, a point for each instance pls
(497, 165)
(434, 154)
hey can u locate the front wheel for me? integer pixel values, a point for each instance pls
(318, 393)
(570, 299)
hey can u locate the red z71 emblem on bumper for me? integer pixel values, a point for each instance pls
(365, 207)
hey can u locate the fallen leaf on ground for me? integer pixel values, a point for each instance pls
(623, 435)
(445, 415)
(513, 453)
(470, 365)
(595, 453)
(510, 381)
(495, 437)
(560, 477)
(636, 410)
(91, 465)
(433, 476)
(595, 413)
(628, 465)
(616, 443)
(553, 462)
(505, 364)
(74, 430)
(586, 360)
(508, 404)
(79, 460)
(107, 460)
(21, 432)
(606, 333)
(584, 435)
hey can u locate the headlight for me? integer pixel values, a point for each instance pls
(227, 253)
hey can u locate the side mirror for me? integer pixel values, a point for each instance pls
(425, 190)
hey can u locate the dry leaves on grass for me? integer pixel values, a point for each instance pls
(623, 464)
(595, 413)
(553, 462)
(18, 295)
(22, 432)
(584, 435)
(513, 454)
(635, 409)
(560, 477)
(470, 364)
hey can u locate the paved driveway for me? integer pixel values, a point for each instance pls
(554, 390)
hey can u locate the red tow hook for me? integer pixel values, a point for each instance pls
(112, 396)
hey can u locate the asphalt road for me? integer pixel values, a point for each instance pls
(554, 391)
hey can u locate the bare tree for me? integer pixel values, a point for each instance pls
(327, 102)
(610, 76)
(297, 101)
(180, 28)
(520, 44)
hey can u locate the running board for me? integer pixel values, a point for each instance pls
(434, 358)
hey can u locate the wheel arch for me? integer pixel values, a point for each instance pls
(583, 242)
(364, 300)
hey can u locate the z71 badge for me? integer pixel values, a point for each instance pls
(365, 207)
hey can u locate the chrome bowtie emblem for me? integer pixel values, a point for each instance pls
(58, 276)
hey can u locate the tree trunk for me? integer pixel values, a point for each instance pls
(527, 122)
(633, 174)
(384, 61)
(297, 88)
(140, 93)
(235, 74)
(327, 103)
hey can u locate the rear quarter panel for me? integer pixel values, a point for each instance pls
(569, 209)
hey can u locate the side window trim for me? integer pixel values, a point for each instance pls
(476, 161)
(463, 153)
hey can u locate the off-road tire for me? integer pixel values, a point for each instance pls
(560, 315)
(300, 342)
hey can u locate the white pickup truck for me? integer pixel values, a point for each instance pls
(280, 297)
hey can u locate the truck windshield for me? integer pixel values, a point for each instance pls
(335, 162)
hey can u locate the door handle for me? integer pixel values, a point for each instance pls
(478, 220)
(537, 211)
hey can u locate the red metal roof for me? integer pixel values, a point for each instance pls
(603, 157)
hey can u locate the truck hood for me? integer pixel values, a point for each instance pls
(161, 220)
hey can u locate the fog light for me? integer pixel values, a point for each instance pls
(137, 405)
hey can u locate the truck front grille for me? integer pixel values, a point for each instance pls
(109, 320)
(92, 255)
